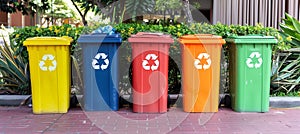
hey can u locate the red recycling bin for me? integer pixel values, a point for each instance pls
(150, 54)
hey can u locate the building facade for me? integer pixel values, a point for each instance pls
(243, 12)
(250, 12)
(16, 19)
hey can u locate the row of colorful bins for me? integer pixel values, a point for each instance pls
(250, 60)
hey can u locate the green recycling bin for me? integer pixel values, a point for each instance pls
(249, 72)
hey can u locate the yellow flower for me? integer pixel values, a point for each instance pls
(289, 38)
(178, 25)
(51, 28)
(17, 35)
(56, 31)
(130, 32)
(67, 33)
(279, 37)
(122, 31)
(68, 29)
(131, 29)
(178, 34)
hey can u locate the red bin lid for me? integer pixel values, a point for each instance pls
(147, 37)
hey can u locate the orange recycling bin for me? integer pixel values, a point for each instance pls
(201, 72)
(150, 54)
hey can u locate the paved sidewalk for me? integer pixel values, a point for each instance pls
(21, 120)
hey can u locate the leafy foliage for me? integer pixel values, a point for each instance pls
(286, 72)
(178, 30)
(291, 30)
(138, 7)
(127, 30)
(20, 35)
(96, 6)
(285, 77)
(162, 5)
(25, 6)
(59, 9)
(291, 94)
(14, 77)
(85, 6)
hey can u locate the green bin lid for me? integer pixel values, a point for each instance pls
(258, 39)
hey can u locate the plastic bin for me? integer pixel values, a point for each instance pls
(249, 71)
(150, 54)
(50, 73)
(201, 55)
(100, 71)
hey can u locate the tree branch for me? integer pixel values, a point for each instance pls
(77, 8)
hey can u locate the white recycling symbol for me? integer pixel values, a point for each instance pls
(48, 68)
(103, 57)
(200, 57)
(146, 62)
(250, 63)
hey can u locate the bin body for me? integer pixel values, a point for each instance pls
(201, 72)
(249, 71)
(100, 71)
(150, 54)
(50, 73)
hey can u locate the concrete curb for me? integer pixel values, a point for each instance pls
(284, 102)
(275, 102)
(12, 100)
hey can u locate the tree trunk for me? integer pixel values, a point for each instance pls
(121, 11)
(113, 15)
(187, 11)
(83, 18)
(81, 15)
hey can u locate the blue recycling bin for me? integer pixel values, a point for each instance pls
(100, 71)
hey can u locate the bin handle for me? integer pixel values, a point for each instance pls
(68, 38)
(98, 33)
(146, 33)
(256, 35)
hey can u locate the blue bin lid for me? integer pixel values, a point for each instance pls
(100, 38)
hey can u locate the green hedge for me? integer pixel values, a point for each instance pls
(21, 34)
(218, 29)
(127, 30)
(177, 30)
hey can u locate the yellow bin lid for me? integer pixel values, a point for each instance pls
(201, 39)
(49, 41)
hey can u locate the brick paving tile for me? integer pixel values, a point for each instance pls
(21, 120)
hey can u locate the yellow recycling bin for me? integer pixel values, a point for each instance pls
(50, 70)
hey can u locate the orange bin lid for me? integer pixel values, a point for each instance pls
(201, 39)
(147, 37)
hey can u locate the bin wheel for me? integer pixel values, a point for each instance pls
(225, 101)
(73, 101)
